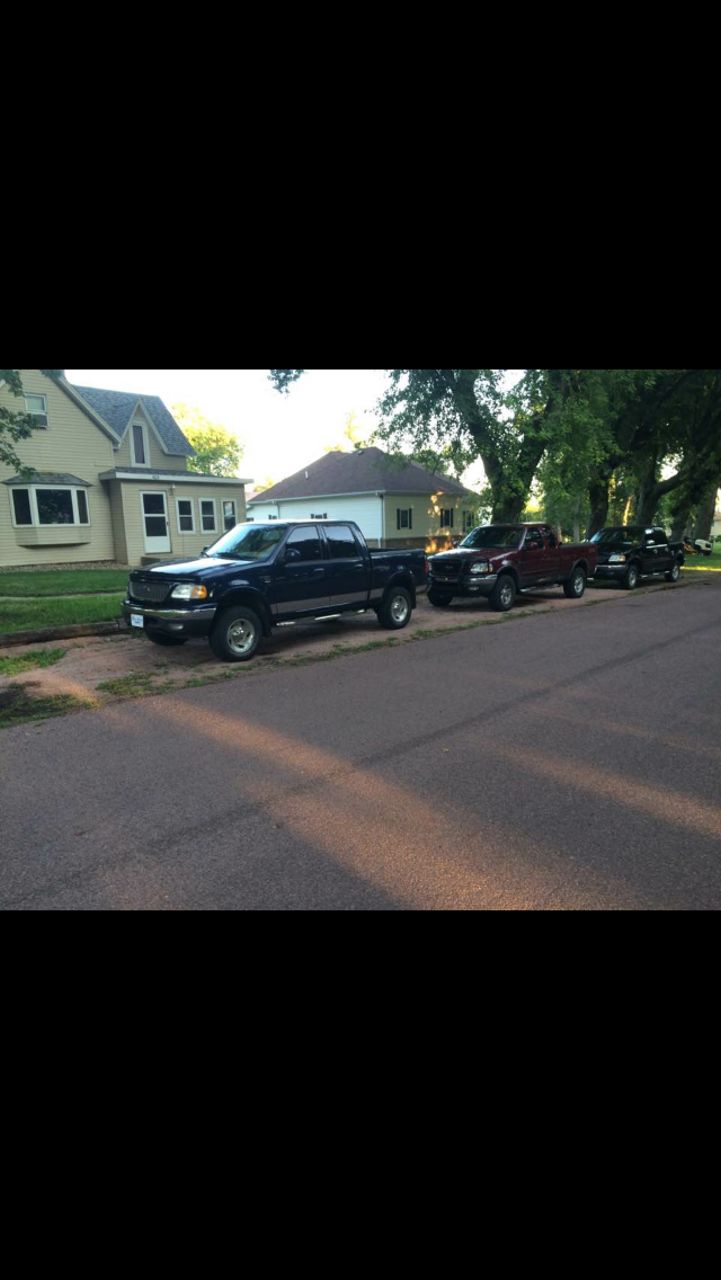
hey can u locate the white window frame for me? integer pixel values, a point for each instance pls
(215, 515)
(37, 413)
(192, 514)
(31, 490)
(146, 449)
(235, 513)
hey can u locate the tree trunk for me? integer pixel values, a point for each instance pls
(598, 495)
(647, 498)
(507, 510)
(705, 513)
(681, 516)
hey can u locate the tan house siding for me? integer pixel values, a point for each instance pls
(426, 516)
(185, 545)
(158, 459)
(116, 510)
(71, 443)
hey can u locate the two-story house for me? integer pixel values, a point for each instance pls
(108, 482)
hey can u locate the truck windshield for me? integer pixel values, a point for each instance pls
(249, 541)
(621, 537)
(493, 535)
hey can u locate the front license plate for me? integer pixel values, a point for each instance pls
(136, 620)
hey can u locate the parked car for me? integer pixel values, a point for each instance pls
(261, 575)
(499, 561)
(629, 553)
(703, 545)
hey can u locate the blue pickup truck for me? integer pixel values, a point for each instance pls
(262, 575)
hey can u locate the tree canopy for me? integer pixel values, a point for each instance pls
(217, 452)
(584, 441)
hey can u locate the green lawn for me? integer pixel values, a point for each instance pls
(705, 562)
(31, 615)
(63, 582)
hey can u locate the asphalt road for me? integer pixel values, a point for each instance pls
(569, 760)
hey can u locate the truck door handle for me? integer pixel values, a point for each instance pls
(318, 573)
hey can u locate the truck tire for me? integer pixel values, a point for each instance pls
(673, 574)
(396, 609)
(162, 637)
(236, 634)
(576, 584)
(631, 580)
(503, 594)
(440, 599)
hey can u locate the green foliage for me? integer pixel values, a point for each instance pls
(596, 443)
(282, 378)
(217, 452)
(16, 425)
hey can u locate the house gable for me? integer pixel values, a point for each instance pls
(122, 408)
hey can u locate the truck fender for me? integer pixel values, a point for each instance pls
(252, 599)
(512, 572)
(402, 579)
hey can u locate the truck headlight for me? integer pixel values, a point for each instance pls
(188, 591)
(481, 566)
(617, 559)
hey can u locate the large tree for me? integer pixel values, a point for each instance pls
(588, 436)
(217, 452)
(16, 424)
(459, 415)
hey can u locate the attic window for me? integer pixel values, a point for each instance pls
(140, 456)
(38, 407)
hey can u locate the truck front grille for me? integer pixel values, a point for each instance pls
(148, 592)
(448, 572)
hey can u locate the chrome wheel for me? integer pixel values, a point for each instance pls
(241, 637)
(396, 609)
(506, 594)
(236, 634)
(400, 609)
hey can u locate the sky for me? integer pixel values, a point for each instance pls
(280, 433)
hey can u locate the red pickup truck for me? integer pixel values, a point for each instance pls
(498, 561)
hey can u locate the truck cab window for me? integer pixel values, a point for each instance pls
(341, 542)
(307, 542)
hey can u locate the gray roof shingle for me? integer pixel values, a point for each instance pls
(48, 477)
(368, 470)
(117, 408)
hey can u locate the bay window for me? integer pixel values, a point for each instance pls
(49, 505)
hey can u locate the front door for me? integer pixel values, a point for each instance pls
(156, 530)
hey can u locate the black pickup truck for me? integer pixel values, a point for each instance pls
(629, 553)
(266, 574)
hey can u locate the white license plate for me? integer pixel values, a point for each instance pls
(136, 620)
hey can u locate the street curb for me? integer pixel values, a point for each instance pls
(62, 633)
